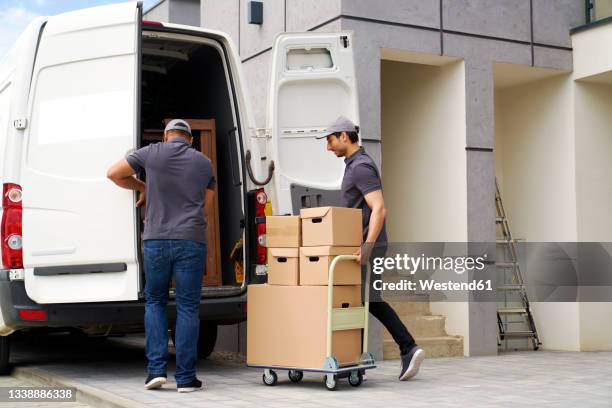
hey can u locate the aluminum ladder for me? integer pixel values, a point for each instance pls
(513, 310)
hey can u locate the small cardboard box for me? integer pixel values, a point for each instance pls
(337, 226)
(315, 262)
(283, 231)
(287, 326)
(283, 266)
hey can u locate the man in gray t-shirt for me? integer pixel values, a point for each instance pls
(179, 191)
(362, 188)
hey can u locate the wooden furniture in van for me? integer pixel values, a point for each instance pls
(204, 134)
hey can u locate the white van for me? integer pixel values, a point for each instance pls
(78, 91)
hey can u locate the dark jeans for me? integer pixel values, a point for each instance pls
(381, 309)
(185, 260)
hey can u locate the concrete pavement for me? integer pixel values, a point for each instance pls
(542, 379)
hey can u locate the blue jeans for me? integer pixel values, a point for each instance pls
(185, 260)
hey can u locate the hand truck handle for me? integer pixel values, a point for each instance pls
(330, 299)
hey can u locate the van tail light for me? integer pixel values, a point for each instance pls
(152, 23)
(260, 220)
(11, 231)
(33, 314)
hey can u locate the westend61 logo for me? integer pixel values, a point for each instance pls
(405, 262)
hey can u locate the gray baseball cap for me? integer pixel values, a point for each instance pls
(341, 124)
(178, 124)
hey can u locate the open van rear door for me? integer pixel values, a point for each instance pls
(312, 83)
(79, 229)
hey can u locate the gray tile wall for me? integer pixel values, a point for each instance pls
(416, 12)
(185, 12)
(254, 37)
(505, 19)
(551, 19)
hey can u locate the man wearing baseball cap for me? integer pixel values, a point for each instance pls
(178, 193)
(362, 188)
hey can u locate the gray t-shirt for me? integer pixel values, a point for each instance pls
(361, 177)
(177, 175)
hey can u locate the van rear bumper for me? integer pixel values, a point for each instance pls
(13, 297)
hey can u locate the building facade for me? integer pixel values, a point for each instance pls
(456, 93)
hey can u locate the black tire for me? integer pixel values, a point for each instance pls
(5, 352)
(356, 378)
(206, 339)
(271, 379)
(295, 376)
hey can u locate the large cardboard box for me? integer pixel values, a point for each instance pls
(283, 266)
(337, 226)
(283, 231)
(286, 326)
(315, 262)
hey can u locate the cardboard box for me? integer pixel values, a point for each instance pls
(335, 226)
(286, 326)
(315, 262)
(283, 266)
(283, 231)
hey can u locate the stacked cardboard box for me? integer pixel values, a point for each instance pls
(287, 317)
(327, 232)
(283, 241)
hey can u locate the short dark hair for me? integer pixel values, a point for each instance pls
(353, 136)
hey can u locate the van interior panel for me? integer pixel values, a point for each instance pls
(187, 80)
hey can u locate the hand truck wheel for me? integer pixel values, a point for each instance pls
(356, 378)
(331, 382)
(269, 377)
(295, 376)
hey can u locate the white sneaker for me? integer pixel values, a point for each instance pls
(154, 381)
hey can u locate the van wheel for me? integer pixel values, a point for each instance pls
(206, 339)
(5, 352)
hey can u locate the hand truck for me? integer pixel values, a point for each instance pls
(337, 319)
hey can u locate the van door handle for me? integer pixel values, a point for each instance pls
(252, 176)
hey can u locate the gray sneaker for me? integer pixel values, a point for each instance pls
(411, 362)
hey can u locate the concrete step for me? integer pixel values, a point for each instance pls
(423, 326)
(438, 346)
(420, 308)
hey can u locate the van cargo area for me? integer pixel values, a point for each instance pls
(186, 77)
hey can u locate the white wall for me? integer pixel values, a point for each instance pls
(423, 152)
(594, 195)
(535, 166)
(594, 160)
(534, 158)
(424, 162)
(592, 51)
